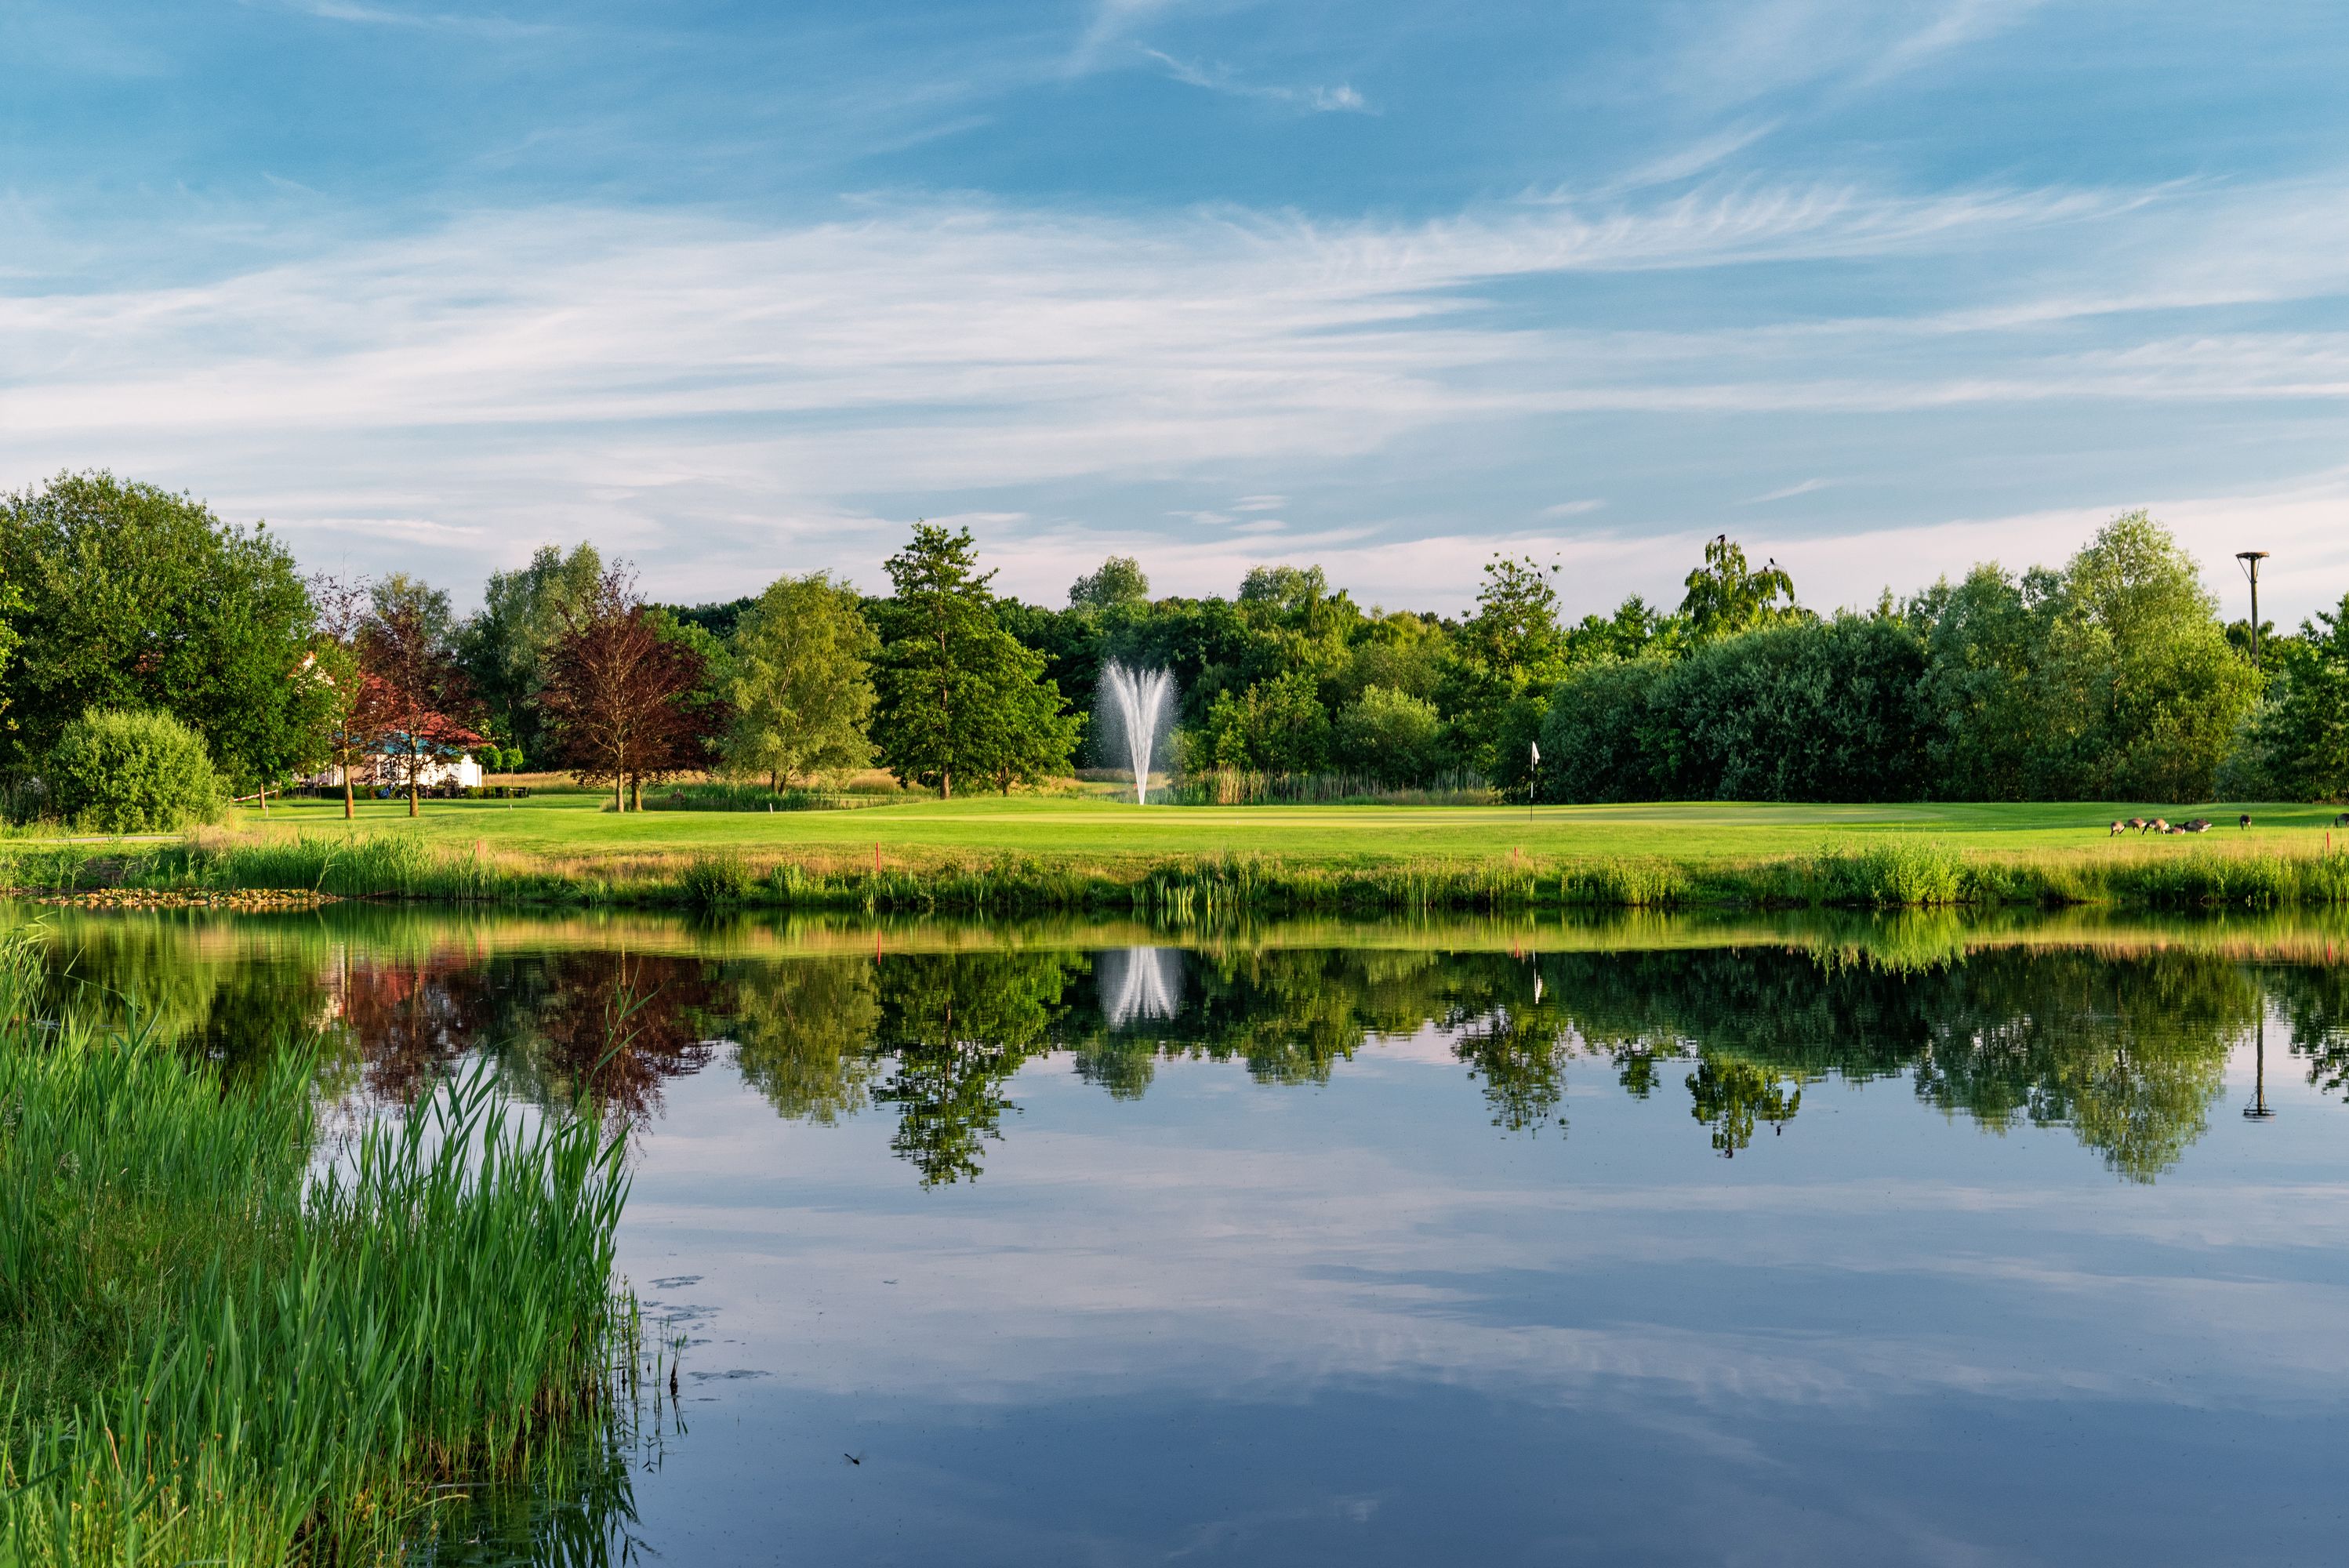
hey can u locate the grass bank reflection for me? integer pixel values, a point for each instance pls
(2119, 1035)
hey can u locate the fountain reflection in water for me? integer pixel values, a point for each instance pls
(1136, 707)
(1139, 984)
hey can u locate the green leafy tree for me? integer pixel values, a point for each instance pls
(958, 695)
(503, 645)
(801, 682)
(1514, 634)
(1634, 630)
(1725, 595)
(2139, 695)
(1606, 737)
(353, 710)
(1728, 1095)
(2302, 733)
(1510, 653)
(1389, 736)
(1985, 640)
(1277, 725)
(1404, 652)
(805, 1036)
(1119, 580)
(141, 599)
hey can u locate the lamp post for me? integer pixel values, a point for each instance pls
(2250, 560)
(2258, 1109)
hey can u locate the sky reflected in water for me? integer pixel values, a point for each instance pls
(1130, 1251)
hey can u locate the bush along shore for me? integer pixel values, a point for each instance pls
(1912, 873)
(220, 1343)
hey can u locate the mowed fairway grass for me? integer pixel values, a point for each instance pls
(576, 829)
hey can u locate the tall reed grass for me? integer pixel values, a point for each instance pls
(1241, 787)
(217, 1344)
(1920, 872)
(721, 795)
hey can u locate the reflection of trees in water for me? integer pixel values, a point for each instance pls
(2316, 1003)
(960, 1026)
(806, 1036)
(2126, 1051)
(1729, 1093)
(411, 1018)
(229, 1002)
(613, 1027)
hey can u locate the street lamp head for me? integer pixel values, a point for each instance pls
(2250, 555)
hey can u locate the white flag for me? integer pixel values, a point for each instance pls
(1536, 746)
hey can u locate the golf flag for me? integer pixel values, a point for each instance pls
(1536, 746)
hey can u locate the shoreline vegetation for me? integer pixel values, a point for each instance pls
(1858, 866)
(226, 1338)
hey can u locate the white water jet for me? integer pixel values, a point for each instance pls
(1143, 703)
(1139, 985)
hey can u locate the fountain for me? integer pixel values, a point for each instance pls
(1139, 985)
(1139, 705)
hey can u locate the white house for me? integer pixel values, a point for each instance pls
(383, 771)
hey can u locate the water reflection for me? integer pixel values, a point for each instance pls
(1692, 1211)
(2125, 1049)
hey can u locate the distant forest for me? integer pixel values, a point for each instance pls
(2111, 676)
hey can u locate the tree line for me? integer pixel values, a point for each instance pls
(2130, 1052)
(139, 630)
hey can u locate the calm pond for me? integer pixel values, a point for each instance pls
(1668, 1241)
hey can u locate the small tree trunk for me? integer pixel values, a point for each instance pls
(349, 808)
(636, 794)
(945, 784)
(415, 769)
(620, 793)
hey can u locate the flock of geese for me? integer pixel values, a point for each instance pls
(2155, 825)
(2199, 825)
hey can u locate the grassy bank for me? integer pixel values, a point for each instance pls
(2289, 865)
(217, 1346)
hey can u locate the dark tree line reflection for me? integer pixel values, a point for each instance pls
(2127, 1052)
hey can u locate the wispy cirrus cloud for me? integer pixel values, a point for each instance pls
(1787, 493)
(698, 389)
(1338, 98)
(487, 24)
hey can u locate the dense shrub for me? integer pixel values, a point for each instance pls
(1277, 725)
(128, 771)
(1600, 741)
(1820, 710)
(1389, 736)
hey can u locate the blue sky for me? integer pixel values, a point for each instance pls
(734, 290)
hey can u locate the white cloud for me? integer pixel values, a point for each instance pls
(1789, 492)
(723, 398)
(414, 527)
(427, 21)
(1341, 97)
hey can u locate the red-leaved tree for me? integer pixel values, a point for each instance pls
(423, 699)
(620, 695)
